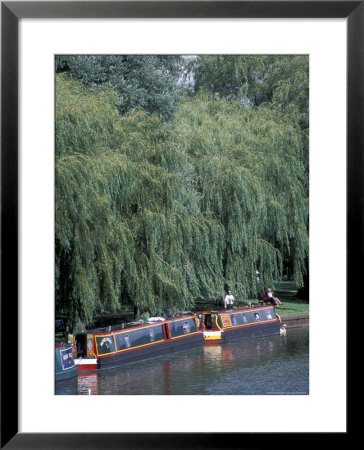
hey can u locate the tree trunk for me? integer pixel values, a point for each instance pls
(136, 313)
(303, 292)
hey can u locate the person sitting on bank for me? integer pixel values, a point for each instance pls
(263, 296)
(274, 300)
(229, 300)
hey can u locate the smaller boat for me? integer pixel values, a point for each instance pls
(243, 323)
(65, 366)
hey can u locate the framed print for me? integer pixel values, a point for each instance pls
(329, 37)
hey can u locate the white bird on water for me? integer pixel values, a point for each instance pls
(283, 330)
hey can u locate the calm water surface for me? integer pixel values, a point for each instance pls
(263, 366)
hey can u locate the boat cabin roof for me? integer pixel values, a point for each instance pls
(236, 311)
(115, 328)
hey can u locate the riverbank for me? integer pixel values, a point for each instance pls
(293, 312)
(302, 320)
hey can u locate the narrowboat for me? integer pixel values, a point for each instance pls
(65, 366)
(110, 347)
(231, 325)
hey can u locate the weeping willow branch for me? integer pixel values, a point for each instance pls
(222, 187)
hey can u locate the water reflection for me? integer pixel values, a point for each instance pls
(87, 384)
(244, 367)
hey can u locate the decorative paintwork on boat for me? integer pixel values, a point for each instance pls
(116, 346)
(65, 366)
(231, 325)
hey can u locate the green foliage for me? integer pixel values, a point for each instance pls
(123, 231)
(281, 81)
(140, 81)
(222, 190)
(250, 177)
(276, 84)
(78, 126)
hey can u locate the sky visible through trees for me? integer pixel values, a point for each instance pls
(177, 178)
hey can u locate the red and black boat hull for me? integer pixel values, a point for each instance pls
(153, 351)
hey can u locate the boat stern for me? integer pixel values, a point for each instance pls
(212, 337)
(86, 364)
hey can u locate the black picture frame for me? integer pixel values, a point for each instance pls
(11, 12)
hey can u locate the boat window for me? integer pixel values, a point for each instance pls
(186, 327)
(105, 344)
(268, 314)
(256, 316)
(126, 340)
(158, 333)
(181, 327)
(245, 319)
(138, 337)
(233, 320)
(193, 326)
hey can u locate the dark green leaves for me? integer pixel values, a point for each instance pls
(139, 81)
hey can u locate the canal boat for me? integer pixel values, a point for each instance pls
(231, 325)
(110, 347)
(65, 366)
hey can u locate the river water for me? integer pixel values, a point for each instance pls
(263, 366)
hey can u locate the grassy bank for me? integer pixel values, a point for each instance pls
(286, 291)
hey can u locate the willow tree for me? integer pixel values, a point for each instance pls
(153, 214)
(277, 82)
(139, 81)
(127, 216)
(250, 177)
(281, 81)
